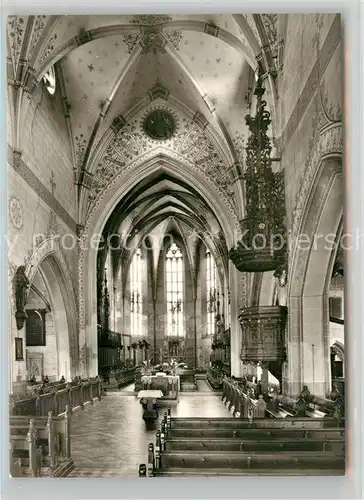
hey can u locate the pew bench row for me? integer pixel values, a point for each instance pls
(229, 446)
(274, 444)
(40, 446)
(258, 423)
(242, 402)
(218, 472)
(253, 460)
(73, 396)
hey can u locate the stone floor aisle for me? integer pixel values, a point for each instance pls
(203, 386)
(110, 438)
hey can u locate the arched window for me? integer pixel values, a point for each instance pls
(49, 80)
(174, 287)
(136, 295)
(212, 293)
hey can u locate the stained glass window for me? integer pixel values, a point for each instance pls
(212, 293)
(49, 80)
(136, 295)
(174, 288)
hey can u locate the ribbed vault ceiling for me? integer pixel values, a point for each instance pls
(108, 66)
(112, 70)
(156, 209)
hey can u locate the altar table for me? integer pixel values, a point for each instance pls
(166, 383)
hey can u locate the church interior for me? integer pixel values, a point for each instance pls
(175, 257)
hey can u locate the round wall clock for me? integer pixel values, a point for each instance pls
(159, 124)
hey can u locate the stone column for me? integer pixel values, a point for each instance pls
(293, 382)
(308, 346)
(316, 345)
(311, 254)
(264, 380)
(236, 364)
(154, 357)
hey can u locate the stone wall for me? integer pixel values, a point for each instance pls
(46, 148)
(310, 109)
(310, 93)
(42, 204)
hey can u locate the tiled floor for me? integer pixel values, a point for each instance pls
(110, 438)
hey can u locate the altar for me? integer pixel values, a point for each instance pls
(168, 384)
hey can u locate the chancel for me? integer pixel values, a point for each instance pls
(176, 267)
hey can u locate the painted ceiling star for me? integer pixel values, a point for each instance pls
(91, 67)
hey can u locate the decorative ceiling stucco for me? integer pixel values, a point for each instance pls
(110, 68)
(190, 144)
(197, 57)
(16, 30)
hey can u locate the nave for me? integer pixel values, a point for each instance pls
(220, 426)
(176, 222)
(115, 432)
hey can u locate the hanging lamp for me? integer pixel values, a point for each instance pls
(263, 244)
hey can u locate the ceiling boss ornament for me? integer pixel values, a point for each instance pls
(159, 125)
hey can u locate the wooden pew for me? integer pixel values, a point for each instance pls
(52, 441)
(233, 423)
(15, 464)
(26, 451)
(273, 444)
(75, 395)
(18, 436)
(253, 460)
(279, 412)
(230, 446)
(226, 472)
(257, 434)
(241, 399)
(313, 407)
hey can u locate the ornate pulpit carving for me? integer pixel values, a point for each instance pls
(263, 334)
